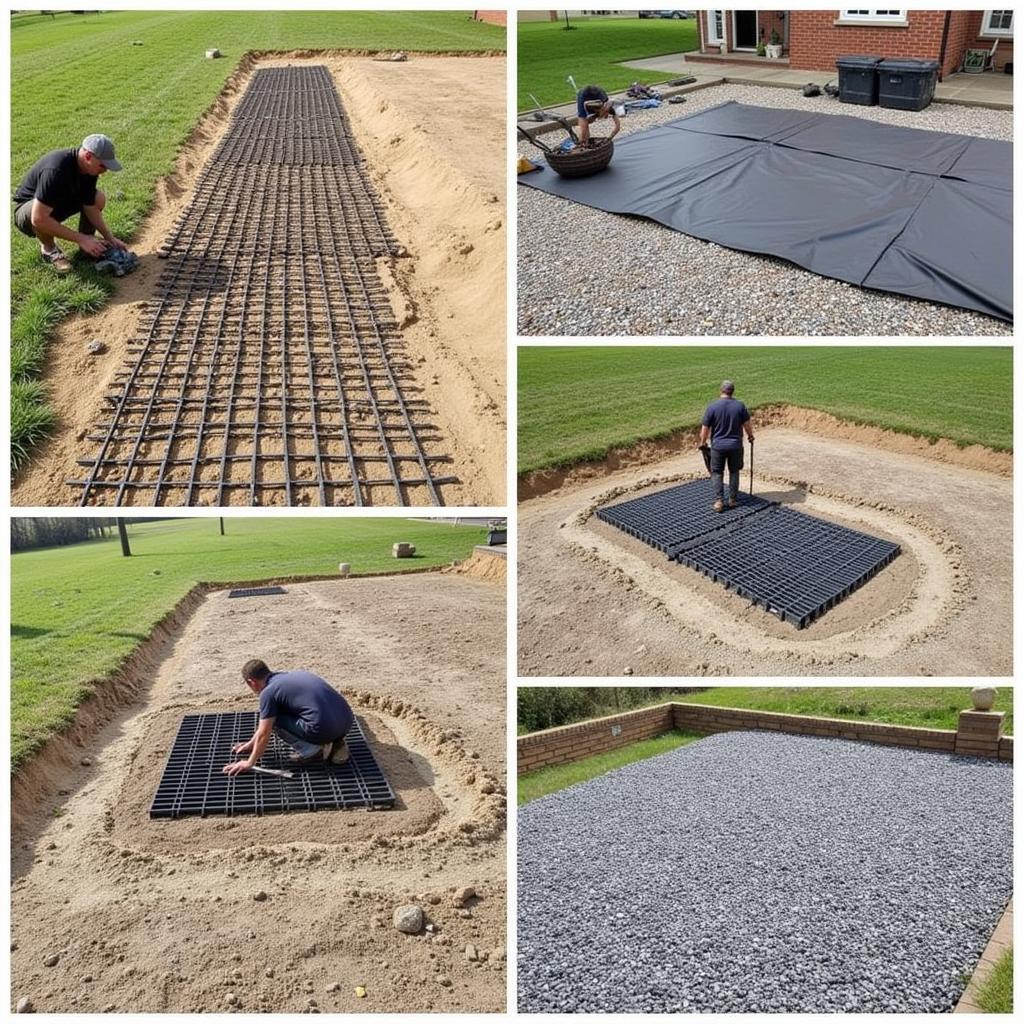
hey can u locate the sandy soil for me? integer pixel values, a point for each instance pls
(445, 205)
(159, 915)
(593, 601)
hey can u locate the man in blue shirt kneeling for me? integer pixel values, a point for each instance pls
(302, 710)
(725, 422)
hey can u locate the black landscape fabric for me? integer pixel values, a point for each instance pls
(920, 213)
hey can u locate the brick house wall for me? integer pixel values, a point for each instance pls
(816, 40)
(491, 17)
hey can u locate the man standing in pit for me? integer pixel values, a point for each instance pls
(302, 710)
(592, 103)
(59, 185)
(725, 421)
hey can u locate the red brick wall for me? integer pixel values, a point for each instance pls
(767, 21)
(815, 40)
(491, 17)
(583, 739)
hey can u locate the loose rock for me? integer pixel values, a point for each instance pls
(408, 919)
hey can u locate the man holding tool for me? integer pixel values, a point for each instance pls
(59, 185)
(725, 421)
(592, 102)
(302, 709)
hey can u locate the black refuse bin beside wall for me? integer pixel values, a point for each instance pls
(858, 82)
(906, 84)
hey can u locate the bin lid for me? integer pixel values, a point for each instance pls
(908, 64)
(857, 61)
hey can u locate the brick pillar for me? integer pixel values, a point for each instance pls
(978, 733)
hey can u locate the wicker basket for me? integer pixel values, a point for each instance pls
(581, 163)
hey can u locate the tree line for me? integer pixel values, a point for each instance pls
(49, 532)
(544, 707)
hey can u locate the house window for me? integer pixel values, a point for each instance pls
(997, 23)
(716, 27)
(873, 15)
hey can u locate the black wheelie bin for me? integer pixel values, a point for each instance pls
(907, 84)
(858, 82)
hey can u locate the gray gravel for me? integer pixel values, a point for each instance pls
(755, 872)
(583, 271)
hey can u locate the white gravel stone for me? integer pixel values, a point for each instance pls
(583, 271)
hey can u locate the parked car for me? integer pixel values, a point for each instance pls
(677, 15)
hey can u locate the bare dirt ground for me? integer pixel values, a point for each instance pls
(445, 204)
(593, 601)
(159, 915)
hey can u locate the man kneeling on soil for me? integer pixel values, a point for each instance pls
(725, 422)
(302, 710)
(59, 185)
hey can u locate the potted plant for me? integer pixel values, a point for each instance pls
(723, 48)
(760, 48)
(774, 48)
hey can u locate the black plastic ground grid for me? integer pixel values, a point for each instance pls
(793, 565)
(193, 782)
(257, 591)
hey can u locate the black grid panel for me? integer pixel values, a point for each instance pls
(193, 782)
(666, 519)
(257, 592)
(793, 565)
(268, 369)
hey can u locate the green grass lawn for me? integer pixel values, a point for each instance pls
(577, 402)
(996, 995)
(933, 707)
(561, 776)
(73, 75)
(591, 52)
(78, 611)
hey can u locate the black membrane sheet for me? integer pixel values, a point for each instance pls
(919, 213)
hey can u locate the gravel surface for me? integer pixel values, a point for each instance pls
(756, 872)
(575, 264)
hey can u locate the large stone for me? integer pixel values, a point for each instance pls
(344, 568)
(408, 919)
(983, 697)
(401, 549)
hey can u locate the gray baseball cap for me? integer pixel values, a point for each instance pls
(102, 148)
(727, 385)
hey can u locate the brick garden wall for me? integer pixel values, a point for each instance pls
(583, 739)
(491, 17)
(976, 736)
(705, 719)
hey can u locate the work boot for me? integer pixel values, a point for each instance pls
(718, 506)
(339, 752)
(60, 263)
(300, 761)
(733, 503)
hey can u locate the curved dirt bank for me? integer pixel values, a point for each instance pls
(810, 421)
(450, 303)
(593, 601)
(160, 915)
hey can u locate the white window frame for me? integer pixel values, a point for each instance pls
(896, 16)
(712, 40)
(1001, 33)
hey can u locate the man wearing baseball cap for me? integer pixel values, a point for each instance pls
(58, 186)
(725, 421)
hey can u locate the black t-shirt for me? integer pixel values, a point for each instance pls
(56, 181)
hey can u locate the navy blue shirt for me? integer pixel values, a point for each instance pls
(321, 712)
(726, 417)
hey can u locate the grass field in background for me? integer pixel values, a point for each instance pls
(932, 707)
(577, 403)
(78, 611)
(76, 74)
(591, 53)
(561, 776)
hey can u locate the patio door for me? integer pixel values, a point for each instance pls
(744, 30)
